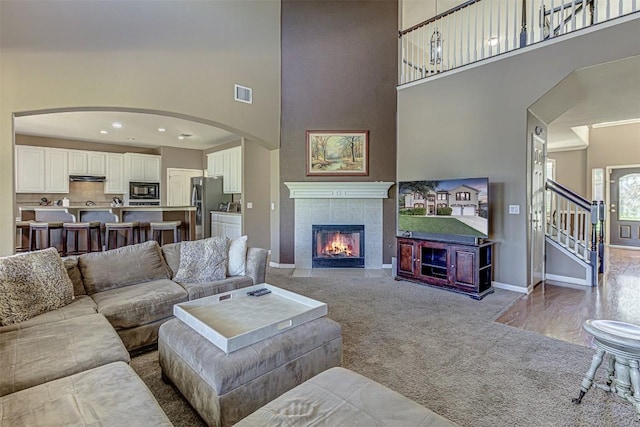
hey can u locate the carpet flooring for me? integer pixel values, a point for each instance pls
(444, 351)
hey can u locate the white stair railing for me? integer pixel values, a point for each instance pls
(480, 29)
(576, 225)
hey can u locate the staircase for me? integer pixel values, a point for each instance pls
(575, 226)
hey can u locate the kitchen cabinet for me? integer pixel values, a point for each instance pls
(114, 173)
(56, 168)
(86, 163)
(226, 225)
(228, 164)
(232, 181)
(463, 268)
(142, 167)
(29, 169)
(41, 170)
(215, 163)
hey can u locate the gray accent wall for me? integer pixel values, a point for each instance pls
(474, 123)
(256, 190)
(339, 71)
(571, 170)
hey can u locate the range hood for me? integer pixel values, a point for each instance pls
(86, 178)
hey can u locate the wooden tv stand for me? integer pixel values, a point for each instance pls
(458, 267)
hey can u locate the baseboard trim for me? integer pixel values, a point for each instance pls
(566, 279)
(277, 265)
(509, 287)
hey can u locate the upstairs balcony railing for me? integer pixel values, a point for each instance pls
(480, 29)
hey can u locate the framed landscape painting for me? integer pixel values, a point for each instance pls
(336, 153)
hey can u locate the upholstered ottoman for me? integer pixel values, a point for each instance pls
(46, 352)
(110, 395)
(340, 397)
(224, 388)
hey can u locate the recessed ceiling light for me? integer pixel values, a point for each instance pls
(181, 136)
(131, 139)
(104, 132)
(184, 135)
(116, 125)
(161, 130)
(493, 41)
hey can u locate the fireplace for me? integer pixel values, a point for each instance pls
(338, 246)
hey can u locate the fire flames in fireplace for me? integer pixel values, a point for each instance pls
(338, 245)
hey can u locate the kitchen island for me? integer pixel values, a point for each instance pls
(142, 214)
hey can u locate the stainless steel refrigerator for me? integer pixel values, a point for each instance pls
(206, 196)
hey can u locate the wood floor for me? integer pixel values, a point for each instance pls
(558, 310)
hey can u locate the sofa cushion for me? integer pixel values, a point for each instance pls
(171, 253)
(139, 304)
(110, 395)
(71, 264)
(205, 289)
(42, 353)
(102, 271)
(81, 306)
(203, 260)
(340, 397)
(237, 256)
(32, 283)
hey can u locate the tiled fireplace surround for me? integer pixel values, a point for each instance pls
(338, 203)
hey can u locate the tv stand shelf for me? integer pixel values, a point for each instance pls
(459, 267)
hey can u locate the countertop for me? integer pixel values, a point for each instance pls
(226, 213)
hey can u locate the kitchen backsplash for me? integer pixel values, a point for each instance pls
(79, 194)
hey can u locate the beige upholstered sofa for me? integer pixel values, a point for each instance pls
(62, 363)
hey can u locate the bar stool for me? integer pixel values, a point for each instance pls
(75, 228)
(22, 228)
(39, 229)
(131, 232)
(621, 342)
(158, 228)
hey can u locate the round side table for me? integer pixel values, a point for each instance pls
(620, 341)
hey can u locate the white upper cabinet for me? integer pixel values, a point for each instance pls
(215, 163)
(77, 162)
(41, 170)
(114, 173)
(56, 169)
(29, 169)
(86, 163)
(142, 167)
(233, 170)
(96, 163)
(228, 164)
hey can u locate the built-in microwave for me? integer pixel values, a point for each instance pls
(144, 190)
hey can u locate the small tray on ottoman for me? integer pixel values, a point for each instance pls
(234, 320)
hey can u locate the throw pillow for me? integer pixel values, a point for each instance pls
(203, 260)
(31, 284)
(237, 256)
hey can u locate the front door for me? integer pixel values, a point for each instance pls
(624, 206)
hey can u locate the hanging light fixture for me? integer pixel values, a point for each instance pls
(435, 53)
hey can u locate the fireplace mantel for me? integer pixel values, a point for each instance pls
(339, 190)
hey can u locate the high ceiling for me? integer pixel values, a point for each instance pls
(137, 129)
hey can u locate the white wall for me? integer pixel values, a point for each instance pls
(473, 123)
(179, 57)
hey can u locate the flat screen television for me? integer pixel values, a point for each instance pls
(446, 209)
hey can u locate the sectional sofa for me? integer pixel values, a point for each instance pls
(68, 326)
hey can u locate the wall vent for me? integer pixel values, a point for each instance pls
(243, 94)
